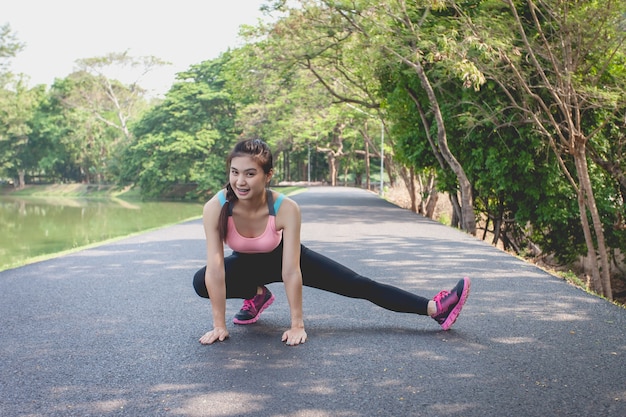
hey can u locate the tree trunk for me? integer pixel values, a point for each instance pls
(445, 157)
(433, 197)
(468, 219)
(412, 189)
(388, 166)
(409, 181)
(456, 211)
(422, 207)
(586, 201)
(21, 179)
(332, 164)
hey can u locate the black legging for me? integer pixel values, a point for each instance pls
(246, 272)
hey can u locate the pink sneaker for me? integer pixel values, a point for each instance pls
(252, 308)
(449, 304)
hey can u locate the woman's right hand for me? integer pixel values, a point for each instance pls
(217, 334)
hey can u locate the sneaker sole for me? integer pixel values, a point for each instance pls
(256, 318)
(454, 314)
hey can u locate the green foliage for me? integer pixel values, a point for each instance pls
(184, 140)
(18, 153)
(560, 62)
(411, 144)
(321, 79)
(10, 46)
(283, 103)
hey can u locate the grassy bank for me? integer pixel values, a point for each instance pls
(95, 191)
(74, 191)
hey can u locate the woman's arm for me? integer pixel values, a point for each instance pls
(289, 220)
(215, 279)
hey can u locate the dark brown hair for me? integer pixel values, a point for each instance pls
(260, 153)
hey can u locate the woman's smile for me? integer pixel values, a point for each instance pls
(242, 192)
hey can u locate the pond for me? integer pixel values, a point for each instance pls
(35, 227)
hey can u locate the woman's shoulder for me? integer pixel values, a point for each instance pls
(288, 215)
(216, 202)
(281, 199)
(220, 196)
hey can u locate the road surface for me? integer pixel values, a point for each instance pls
(113, 331)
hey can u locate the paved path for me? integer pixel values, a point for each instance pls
(112, 331)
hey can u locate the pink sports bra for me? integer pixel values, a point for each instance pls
(267, 241)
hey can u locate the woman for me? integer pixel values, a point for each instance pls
(262, 227)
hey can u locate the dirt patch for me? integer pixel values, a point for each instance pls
(399, 195)
(619, 290)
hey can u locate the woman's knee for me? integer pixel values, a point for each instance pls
(199, 284)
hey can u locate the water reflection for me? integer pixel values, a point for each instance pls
(31, 227)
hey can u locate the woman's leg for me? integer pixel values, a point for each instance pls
(244, 273)
(323, 273)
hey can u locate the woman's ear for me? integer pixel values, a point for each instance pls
(269, 176)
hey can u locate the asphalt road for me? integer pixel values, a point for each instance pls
(113, 331)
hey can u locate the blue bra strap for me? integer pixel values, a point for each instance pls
(279, 200)
(222, 197)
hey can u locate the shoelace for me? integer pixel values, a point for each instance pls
(443, 294)
(248, 305)
(438, 299)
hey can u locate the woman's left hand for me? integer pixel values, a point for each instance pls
(294, 336)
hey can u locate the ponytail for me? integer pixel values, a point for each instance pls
(223, 220)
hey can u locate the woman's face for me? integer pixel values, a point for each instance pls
(247, 178)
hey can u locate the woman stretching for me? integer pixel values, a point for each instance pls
(262, 227)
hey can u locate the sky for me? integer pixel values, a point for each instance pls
(183, 32)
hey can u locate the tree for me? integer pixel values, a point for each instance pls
(9, 144)
(60, 131)
(409, 45)
(183, 141)
(106, 107)
(92, 144)
(345, 45)
(10, 46)
(283, 104)
(104, 96)
(18, 154)
(314, 44)
(554, 69)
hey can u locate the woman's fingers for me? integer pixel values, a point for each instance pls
(213, 336)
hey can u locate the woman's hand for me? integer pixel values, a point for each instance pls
(294, 336)
(217, 334)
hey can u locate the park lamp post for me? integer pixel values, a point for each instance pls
(382, 156)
